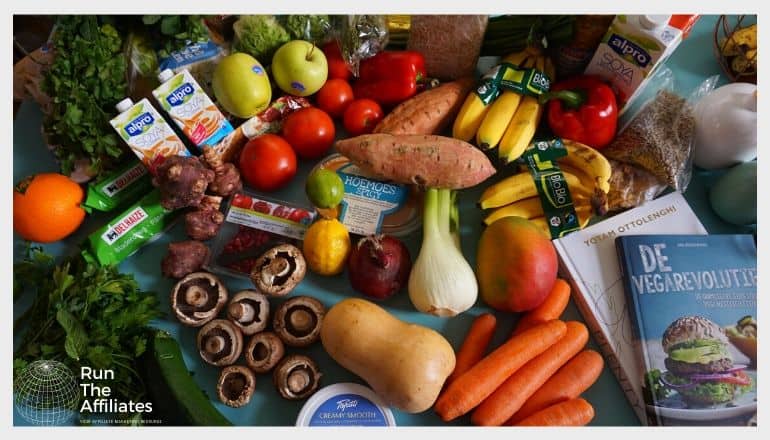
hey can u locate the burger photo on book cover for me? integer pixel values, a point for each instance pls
(699, 366)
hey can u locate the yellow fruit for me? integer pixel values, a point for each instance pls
(326, 247)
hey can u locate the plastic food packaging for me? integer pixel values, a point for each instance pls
(127, 183)
(140, 224)
(631, 186)
(200, 59)
(450, 43)
(253, 224)
(361, 37)
(345, 404)
(659, 137)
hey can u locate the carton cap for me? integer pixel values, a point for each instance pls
(165, 75)
(653, 21)
(124, 105)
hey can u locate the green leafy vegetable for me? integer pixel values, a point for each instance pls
(311, 28)
(259, 36)
(84, 315)
(654, 389)
(85, 81)
(174, 32)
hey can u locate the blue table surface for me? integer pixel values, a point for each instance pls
(692, 62)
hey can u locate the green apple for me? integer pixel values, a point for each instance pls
(241, 85)
(299, 68)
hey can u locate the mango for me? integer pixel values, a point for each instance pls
(516, 265)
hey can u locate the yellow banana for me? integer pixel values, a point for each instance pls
(472, 112)
(527, 208)
(590, 161)
(583, 213)
(521, 186)
(499, 116)
(522, 127)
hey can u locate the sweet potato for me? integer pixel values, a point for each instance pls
(424, 160)
(428, 112)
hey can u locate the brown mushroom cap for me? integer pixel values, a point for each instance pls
(279, 270)
(249, 310)
(264, 351)
(298, 321)
(296, 377)
(197, 298)
(236, 385)
(220, 342)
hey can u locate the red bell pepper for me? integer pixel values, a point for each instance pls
(390, 77)
(583, 109)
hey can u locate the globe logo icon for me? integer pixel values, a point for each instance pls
(46, 393)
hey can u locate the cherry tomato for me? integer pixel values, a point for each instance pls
(337, 66)
(361, 116)
(261, 206)
(282, 212)
(310, 131)
(242, 201)
(334, 97)
(299, 215)
(267, 162)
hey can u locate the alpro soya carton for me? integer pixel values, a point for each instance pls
(633, 47)
(191, 108)
(147, 133)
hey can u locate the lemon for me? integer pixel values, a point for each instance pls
(324, 188)
(326, 247)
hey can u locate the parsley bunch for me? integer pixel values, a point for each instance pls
(83, 315)
(85, 81)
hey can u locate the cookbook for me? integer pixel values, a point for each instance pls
(588, 260)
(693, 306)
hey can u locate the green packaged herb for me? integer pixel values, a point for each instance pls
(121, 186)
(133, 228)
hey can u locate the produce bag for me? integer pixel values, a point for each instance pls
(659, 137)
(450, 43)
(360, 37)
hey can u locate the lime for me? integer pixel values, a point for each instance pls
(324, 188)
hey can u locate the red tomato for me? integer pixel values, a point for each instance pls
(310, 131)
(337, 66)
(242, 201)
(361, 116)
(282, 212)
(261, 206)
(334, 97)
(267, 162)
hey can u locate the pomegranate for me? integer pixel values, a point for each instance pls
(379, 266)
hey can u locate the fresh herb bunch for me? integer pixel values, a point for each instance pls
(83, 315)
(176, 31)
(85, 81)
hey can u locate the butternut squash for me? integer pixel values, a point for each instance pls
(405, 364)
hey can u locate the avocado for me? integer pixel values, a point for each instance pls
(700, 352)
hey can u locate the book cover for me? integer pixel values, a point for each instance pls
(693, 304)
(589, 261)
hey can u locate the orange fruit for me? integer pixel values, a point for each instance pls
(46, 207)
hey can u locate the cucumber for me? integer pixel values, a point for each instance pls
(177, 399)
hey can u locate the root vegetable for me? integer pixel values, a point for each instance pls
(424, 160)
(227, 179)
(575, 412)
(182, 181)
(183, 258)
(475, 344)
(379, 266)
(203, 223)
(428, 112)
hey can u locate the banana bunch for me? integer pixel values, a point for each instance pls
(509, 122)
(586, 171)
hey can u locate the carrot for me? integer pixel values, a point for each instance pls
(424, 160)
(569, 382)
(521, 385)
(551, 308)
(473, 386)
(474, 346)
(574, 412)
(428, 112)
